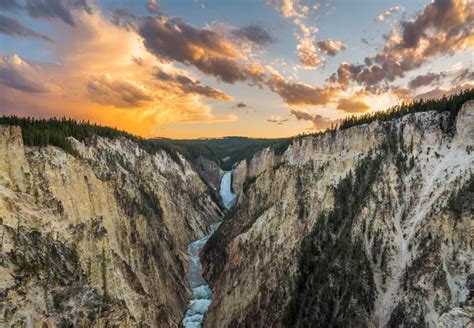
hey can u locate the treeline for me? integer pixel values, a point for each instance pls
(56, 131)
(224, 151)
(452, 104)
(228, 150)
(188, 148)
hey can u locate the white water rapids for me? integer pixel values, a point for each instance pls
(202, 293)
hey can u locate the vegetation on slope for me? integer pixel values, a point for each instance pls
(55, 132)
(452, 104)
(228, 150)
(462, 200)
(224, 151)
(335, 286)
(335, 281)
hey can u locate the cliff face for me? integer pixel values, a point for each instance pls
(99, 238)
(260, 162)
(399, 252)
(209, 171)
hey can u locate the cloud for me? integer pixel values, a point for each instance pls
(424, 79)
(453, 76)
(289, 8)
(119, 92)
(12, 27)
(463, 75)
(318, 122)
(298, 12)
(285, 7)
(189, 86)
(306, 48)
(18, 74)
(401, 93)
(441, 28)
(163, 31)
(57, 9)
(9, 5)
(152, 6)
(173, 40)
(309, 50)
(389, 13)
(138, 60)
(301, 94)
(255, 34)
(330, 47)
(170, 39)
(125, 19)
(130, 97)
(353, 104)
(307, 53)
(440, 92)
(277, 120)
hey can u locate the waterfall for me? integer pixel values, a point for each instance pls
(225, 191)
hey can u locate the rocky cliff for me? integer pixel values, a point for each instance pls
(99, 238)
(368, 226)
(209, 171)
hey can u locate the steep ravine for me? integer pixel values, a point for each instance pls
(98, 239)
(202, 293)
(290, 253)
(371, 226)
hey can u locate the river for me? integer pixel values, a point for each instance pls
(202, 293)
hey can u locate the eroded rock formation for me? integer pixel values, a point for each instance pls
(96, 239)
(293, 253)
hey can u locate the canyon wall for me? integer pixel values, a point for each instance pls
(368, 226)
(99, 238)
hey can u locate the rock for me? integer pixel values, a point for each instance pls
(416, 247)
(457, 318)
(98, 239)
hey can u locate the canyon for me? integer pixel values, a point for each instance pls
(369, 226)
(96, 239)
(202, 293)
(292, 254)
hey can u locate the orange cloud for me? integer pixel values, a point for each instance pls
(353, 104)
(301, 94)
(100, 78)
(330, 47)
(307, 53)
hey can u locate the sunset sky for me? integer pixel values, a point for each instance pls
(211, 68)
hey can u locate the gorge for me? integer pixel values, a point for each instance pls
(236, 164)
(370, 225)
(202, 293)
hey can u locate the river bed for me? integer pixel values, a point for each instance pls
(202, 293)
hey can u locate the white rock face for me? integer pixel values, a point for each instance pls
(457, 318)
(465, 123)
(261, 161)
(418, 249)
(98, 239)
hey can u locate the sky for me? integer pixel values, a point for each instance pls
(212, 68)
